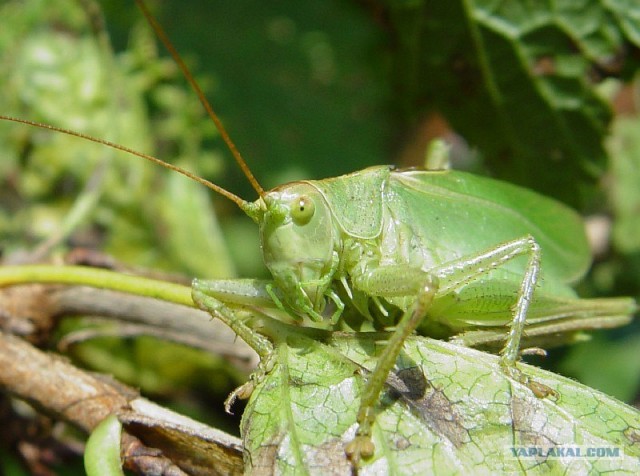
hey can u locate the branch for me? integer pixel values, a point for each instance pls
(57, 388)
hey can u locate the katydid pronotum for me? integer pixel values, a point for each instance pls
(436, 249)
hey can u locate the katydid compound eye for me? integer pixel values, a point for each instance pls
(302, 210)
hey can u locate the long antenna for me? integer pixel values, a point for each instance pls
(234, 198)
(187, 74)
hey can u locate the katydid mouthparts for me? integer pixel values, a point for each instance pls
(452, 254)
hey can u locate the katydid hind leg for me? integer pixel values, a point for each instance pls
(553, 322)
(396, 280)
(455, 274)
(399, 280)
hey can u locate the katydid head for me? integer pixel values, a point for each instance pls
(298, 245)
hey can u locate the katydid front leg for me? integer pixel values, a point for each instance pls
(247, 292)
(397, 280)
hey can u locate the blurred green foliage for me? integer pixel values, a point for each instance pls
(310, 90)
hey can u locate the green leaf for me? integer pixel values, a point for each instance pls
(516, 80)
(447, 410)
(610, 366)
(102, 453)
(624, 145)
(193, 230)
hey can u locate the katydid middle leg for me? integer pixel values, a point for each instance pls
(362, 446)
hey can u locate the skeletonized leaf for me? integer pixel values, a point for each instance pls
(448, 409)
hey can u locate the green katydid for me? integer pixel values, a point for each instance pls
(441, 249)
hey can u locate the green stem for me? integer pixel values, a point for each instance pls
(97, 278)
